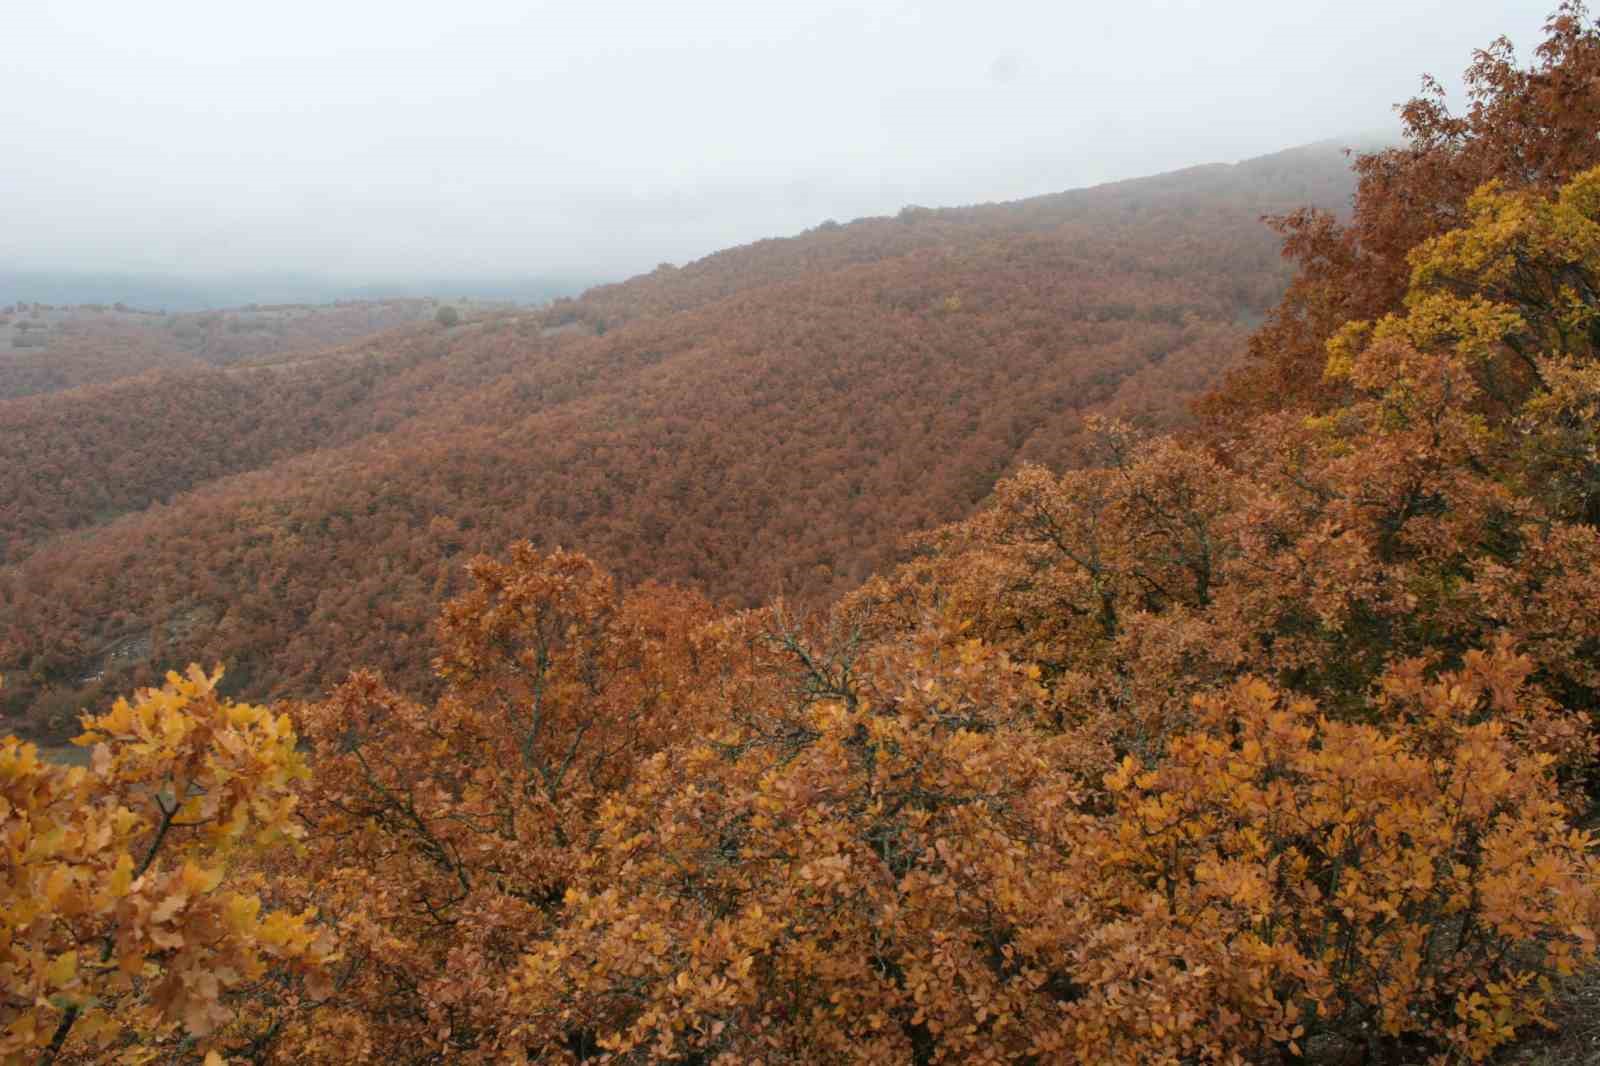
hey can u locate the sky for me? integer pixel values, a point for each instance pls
(380, 140)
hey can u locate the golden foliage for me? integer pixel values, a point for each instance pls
(124, 919)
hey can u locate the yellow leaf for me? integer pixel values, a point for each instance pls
(122, 876)
(198, 880)
(63, 970)
(56, 884)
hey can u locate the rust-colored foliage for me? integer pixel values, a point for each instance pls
(1164, 759)
(1531, 127)
(92, 344)
(1266, 748)
(772, 419)
(444, 835)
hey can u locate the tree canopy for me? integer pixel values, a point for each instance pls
(1273, 743)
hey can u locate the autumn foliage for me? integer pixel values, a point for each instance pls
(1267, 745)
(771, 419)
(91, 344)
(130, 920)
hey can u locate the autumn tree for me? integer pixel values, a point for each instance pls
(1529, 127)
(128, 917)
(444, 835)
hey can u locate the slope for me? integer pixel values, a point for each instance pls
(773, 416)
(46, 348)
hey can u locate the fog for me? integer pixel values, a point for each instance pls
(384, 140)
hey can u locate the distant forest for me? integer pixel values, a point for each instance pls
(773, 419)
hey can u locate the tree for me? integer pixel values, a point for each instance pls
(1529, 127)
(445, 835)
(124, 915)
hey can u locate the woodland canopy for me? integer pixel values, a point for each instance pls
(1271, 741)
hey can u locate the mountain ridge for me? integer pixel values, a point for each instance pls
(774, 416)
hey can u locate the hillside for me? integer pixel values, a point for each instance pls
(46, 348)
(84, 456)
(1272, 742)
(774, 417)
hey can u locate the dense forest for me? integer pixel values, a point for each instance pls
(774, 418)
(45, 348)
(1264, 738)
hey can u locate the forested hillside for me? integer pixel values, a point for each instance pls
(45, 348)
(773, 418)
(1271, 744)
(87, 455)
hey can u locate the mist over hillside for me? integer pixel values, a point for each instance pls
(773, 416)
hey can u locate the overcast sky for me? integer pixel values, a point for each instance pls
(379, 139)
